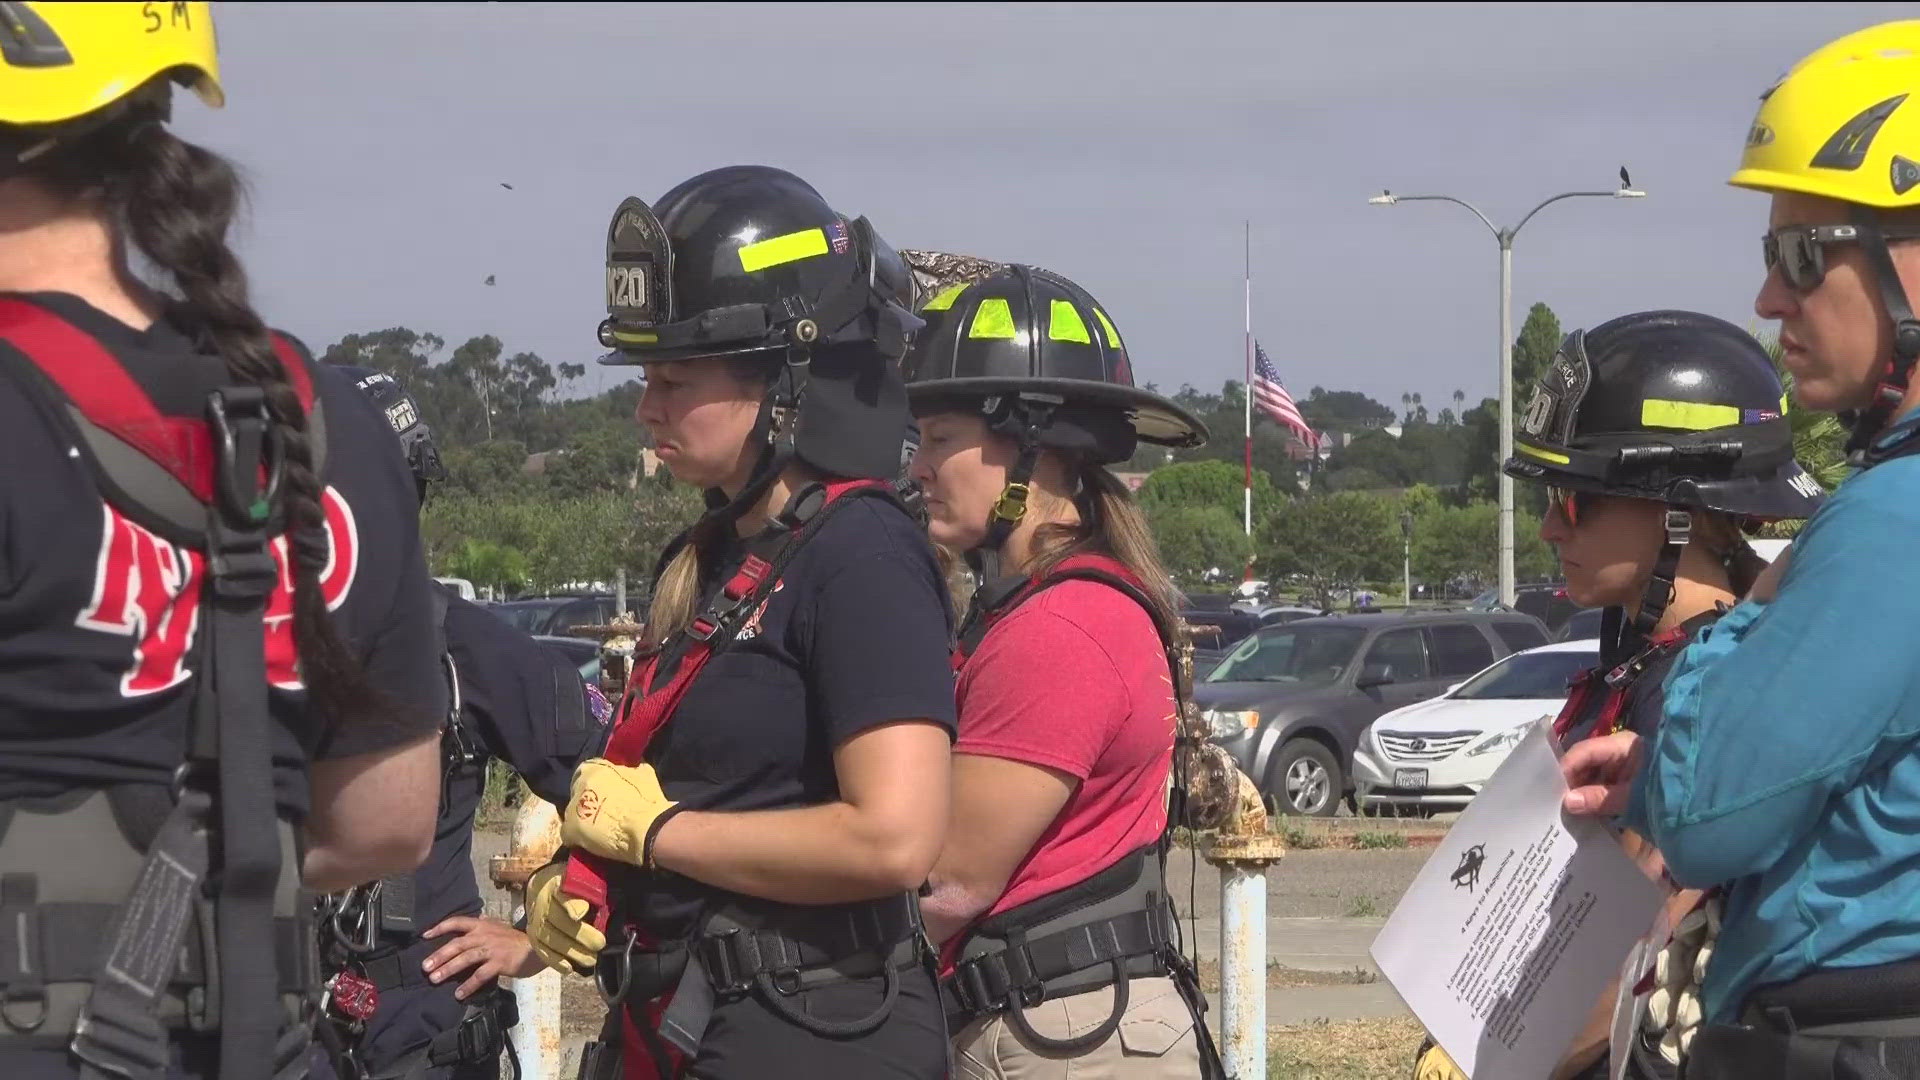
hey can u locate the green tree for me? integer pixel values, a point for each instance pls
(1190, 485)
(1333, 540)
(487, 565)
(1343, 410)
(1533, 350)
(1420, 500)
(1378, 453)
(1194, 540)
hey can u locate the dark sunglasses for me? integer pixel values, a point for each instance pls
(1800, 251)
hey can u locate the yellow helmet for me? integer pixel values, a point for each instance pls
(1844, 122)
(59, 61)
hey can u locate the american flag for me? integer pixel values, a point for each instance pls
(1274, 400)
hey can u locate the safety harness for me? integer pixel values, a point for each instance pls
(108, 954)
(1115, 926)
(370, 940)
(663, 992)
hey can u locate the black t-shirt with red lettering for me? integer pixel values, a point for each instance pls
(99, 616)
(854, 635)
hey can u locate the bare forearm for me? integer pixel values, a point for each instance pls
(830, 854)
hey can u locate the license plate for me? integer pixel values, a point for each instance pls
(1410, 778)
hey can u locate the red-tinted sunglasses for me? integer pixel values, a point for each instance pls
(1566, 502)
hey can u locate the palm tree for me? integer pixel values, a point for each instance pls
(1406, 405)
(1459, 402)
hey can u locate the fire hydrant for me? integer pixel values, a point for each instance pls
(1242, 850)
(536, 1039)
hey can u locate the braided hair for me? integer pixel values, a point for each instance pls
(175, 202)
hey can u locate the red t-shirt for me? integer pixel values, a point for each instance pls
(1076, 679)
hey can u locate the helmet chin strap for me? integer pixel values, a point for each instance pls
(1867, 423)
(773, 431)
(1659, 594)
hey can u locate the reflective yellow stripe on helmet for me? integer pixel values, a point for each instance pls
(780, 250)
(1543, 455)
(993, 320)
(1113, 336)
(1065, 324)
(1687, 415)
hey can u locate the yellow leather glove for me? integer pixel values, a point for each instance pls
(1436, 1065)
(615, 810)
(557, 926)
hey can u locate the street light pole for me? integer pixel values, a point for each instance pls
(1406, 551)
(1505, 237)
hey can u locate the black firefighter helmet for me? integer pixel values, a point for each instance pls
(751, 261)
(1673, 406)
(396, 405)
(1039, 358)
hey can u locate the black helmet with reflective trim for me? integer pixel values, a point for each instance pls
(1026, 334)
(750, 261)
(747, 258)
(1672, 406)
(397, 406)
(1040, 360)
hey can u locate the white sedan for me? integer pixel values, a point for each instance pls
(1437, 754)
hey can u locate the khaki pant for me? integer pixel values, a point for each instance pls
(1155, 1041)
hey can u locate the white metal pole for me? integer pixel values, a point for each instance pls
(1247, 501)
(1507, 593)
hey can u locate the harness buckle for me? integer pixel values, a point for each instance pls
(716, 953)
(1679, 527)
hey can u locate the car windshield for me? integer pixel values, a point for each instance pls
(528, 616)
(1528, 675)
(1307, 655)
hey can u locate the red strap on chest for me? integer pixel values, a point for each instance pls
(643, 712)
(99, 385)
(1616, 684)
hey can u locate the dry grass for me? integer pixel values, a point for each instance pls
(1344, 1050)
(1280, 976)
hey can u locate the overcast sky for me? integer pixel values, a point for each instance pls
(1121, 145)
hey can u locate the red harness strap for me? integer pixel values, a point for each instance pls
(108, 396)
(641, 716)
(1616, 684)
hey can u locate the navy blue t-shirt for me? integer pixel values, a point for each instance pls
(521, 702)
(99, 616)
(854, 635)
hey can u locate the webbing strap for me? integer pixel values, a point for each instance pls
(988, 983)
(118, 1033)
(242, 574)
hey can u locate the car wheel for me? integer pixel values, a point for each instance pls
(1306, 781)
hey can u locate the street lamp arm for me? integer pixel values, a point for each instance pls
(1563, 195)
(1491, 227)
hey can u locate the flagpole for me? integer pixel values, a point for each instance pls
(1247, 508)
